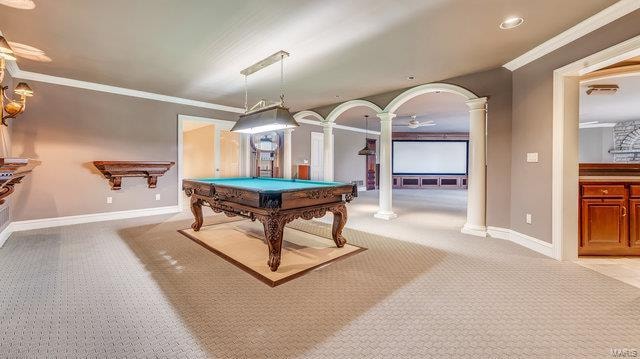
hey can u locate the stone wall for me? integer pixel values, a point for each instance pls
(627, 138)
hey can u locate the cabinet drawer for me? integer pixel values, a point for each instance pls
(634, 191)
(593, 190)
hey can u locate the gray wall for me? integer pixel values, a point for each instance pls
(66, 128)
(348, 166)
(495, 84)
(595, 144)
(532, 124)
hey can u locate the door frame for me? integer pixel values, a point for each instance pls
(220, 125)
(564, 208)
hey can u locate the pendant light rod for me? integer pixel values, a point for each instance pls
(278, 56)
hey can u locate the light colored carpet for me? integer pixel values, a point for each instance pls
(137, 288)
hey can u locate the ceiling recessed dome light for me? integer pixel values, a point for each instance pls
(511, 22)
(19, 4)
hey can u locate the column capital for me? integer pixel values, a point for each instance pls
(476, 103)
(288, 130)
(327, 124)
(386, 116)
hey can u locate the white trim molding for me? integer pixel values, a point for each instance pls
(83, 218)
(341, 127)
(413, 92)
(564, 177)
(524, 240)
(300, 116)
(26, 75)
(604, 17)
(479, 231)
(345, 106)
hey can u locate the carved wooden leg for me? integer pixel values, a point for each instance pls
(273, 229)
(339, 220)
(196, 209)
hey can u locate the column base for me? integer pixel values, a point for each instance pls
(474, 230)
(385, 215)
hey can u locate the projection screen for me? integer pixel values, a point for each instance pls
(430, 157)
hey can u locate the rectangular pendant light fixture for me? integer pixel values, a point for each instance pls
(270, 118)
(266, 118)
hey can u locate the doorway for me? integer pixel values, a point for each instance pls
(208, 149)
(565, 170)
(317, 151)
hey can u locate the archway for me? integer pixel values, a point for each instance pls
(476, 203)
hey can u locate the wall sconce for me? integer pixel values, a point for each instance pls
(12, 108)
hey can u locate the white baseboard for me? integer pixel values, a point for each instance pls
(83, 218)
(524, 240)
(5, 234)
(480, 231)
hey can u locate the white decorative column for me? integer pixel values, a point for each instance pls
(286, 161)
(327, 158)
(477, 180)
(385, 211)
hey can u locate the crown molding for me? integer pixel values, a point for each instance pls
(604, 17)
(33, 76)
(335, 125)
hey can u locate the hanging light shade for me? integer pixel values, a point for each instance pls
(23, 89)
(366, 151)
(270, 118)
(265, 117)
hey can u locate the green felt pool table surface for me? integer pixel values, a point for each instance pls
(268, 184)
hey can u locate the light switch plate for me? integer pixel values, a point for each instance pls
(532, 157)
(109, 199)
(157, 196)
(528, 218)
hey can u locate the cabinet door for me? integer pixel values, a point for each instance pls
(604, 226)
(634, 218)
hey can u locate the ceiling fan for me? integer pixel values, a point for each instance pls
(414, 123)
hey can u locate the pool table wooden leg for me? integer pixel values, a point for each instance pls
(196, 209)
(273, 229)
(339, 220)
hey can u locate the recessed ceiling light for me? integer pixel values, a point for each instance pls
(19, 4)
(511, 22)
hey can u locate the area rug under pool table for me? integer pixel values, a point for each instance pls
(243, 244)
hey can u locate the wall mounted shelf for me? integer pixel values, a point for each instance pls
(12, 171)
(115, 170)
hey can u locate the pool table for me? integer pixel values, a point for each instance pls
(272, 201)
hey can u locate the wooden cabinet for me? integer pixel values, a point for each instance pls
(604, 225)
(609, 219)
(634, 225)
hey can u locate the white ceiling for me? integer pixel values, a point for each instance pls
(195, 48)
(624, 105)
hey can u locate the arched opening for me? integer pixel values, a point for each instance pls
(430, 159)
(476, 175)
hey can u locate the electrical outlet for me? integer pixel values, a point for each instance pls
(109, 199)
(157, 196)
(528, 218)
